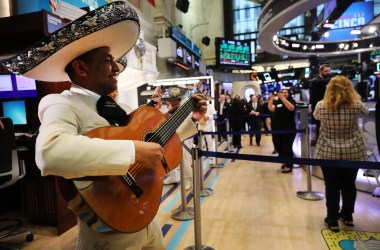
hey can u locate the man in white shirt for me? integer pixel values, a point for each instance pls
(63, 148)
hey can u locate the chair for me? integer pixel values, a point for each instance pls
(12, 169)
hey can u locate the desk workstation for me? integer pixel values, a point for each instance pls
(37, 198)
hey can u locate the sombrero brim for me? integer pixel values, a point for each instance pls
(115, 25)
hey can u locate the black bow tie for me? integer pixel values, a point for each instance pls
(109, 110)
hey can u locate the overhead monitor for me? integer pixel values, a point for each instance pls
(232, 53)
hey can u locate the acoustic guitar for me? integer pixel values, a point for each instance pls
(129, 203)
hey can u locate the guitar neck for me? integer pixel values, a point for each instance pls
(170, 126)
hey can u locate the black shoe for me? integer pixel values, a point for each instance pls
(287, 169)
(332, 225)
(283, 166)
(258, 144)
(347, 220)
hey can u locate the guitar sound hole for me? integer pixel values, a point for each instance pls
(153, 137)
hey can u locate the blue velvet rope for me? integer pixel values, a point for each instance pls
(287, 160)
(291, 160)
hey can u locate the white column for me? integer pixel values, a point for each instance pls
(5, 8)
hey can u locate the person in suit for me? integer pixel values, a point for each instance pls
(254, 110)
(317, 91)
(88, 58)
(235, 116)
(223, 108)
(340, 138)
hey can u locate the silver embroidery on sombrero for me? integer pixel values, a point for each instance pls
(93, 21)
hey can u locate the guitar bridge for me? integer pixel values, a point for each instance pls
(133, 185)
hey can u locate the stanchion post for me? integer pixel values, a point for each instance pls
(228, 136)
(183, 212)
(309, 194)
(197, 202)
(204, 191)
(216, 138)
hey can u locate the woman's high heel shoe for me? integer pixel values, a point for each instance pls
(347, 220)
(332, 225)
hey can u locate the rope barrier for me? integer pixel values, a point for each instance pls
(291, 160)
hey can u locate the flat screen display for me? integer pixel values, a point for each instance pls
(16, 86)
(233, 53)
(16, 111)
(356, 16)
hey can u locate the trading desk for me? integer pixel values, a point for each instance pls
(41, 200)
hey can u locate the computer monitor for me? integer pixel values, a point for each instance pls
(17, 86)
(16, 110)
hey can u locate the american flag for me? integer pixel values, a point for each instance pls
(53, 5)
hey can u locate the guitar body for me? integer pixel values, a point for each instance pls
(111, 199)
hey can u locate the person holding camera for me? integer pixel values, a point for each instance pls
(283, 107)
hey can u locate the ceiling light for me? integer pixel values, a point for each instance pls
(346, 47)
(372, 29)
(328, 25)
(320, 46)
(275, 38)
(371, 45)
(326, 34)
(313, 47)
(296, 45)
(355, 45)
(355, 32)
(304, 47)
(341, 46)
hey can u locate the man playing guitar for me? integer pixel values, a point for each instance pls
(114, 168)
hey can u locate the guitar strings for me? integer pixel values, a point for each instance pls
(169, 126)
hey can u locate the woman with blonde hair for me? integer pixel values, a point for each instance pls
(340, 139)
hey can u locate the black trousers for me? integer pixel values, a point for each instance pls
(222, 128)
(255, 125)
(283, 144)
(339, 181)
(236, 126)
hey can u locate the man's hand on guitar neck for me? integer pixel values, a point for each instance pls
(201, 103)
(149, 154)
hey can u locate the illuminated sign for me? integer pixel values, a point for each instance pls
(357, 15)
(178, 36)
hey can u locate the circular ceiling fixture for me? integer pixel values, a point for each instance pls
(277, 13)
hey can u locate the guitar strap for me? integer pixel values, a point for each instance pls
(111, 111)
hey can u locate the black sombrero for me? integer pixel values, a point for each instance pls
(115, 25)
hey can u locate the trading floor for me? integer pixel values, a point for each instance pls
(253, 206)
